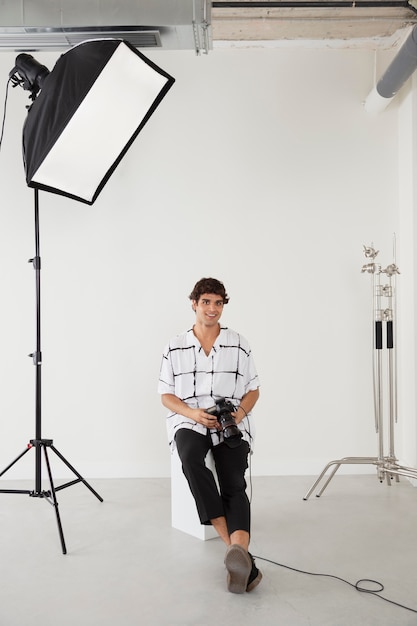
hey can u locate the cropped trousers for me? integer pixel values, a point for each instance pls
(229, 498)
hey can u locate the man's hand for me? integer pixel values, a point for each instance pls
(204, 418)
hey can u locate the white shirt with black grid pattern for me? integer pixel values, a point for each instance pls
(199, 380)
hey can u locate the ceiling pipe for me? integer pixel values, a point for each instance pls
(397, 73)
(309, 4)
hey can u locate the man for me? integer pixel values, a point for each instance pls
(207, 363)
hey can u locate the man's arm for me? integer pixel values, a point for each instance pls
(176, 405)
(246, 404)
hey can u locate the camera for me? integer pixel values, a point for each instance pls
(223, 410)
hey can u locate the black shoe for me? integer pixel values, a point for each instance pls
(255, 576)
(239, 565)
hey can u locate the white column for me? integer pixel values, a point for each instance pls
(406, 281)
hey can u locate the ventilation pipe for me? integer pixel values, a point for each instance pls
(397, 73)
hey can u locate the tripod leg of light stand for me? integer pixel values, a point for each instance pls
(80, 479)
(337, 464)
(53, 500)
(26, 491)
(348, 460)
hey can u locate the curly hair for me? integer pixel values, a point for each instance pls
(209, 285)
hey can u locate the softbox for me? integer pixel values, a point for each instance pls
(91, 108)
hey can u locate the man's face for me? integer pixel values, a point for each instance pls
(208, 309)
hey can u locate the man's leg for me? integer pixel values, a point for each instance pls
(231, 465)
(192, 450)
(241, 538)
(220, 526)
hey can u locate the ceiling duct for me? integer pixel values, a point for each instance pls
(32, 25)
(395, 76)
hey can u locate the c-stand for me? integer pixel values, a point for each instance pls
(384, 313)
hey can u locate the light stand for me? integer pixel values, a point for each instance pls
(39, 443)
(387, 464)
(84, 116)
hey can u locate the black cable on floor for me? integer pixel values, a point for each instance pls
(359, 585)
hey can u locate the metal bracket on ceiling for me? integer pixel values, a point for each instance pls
(201, 30)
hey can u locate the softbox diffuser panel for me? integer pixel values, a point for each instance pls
(91, 108)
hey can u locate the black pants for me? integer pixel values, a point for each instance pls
(231, 464)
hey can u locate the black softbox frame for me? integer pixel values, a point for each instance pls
(90, 109)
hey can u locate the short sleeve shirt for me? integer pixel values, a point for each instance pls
(199, 380)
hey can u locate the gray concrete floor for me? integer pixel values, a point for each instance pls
(126, 566)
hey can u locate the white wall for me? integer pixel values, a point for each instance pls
(261, 168)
